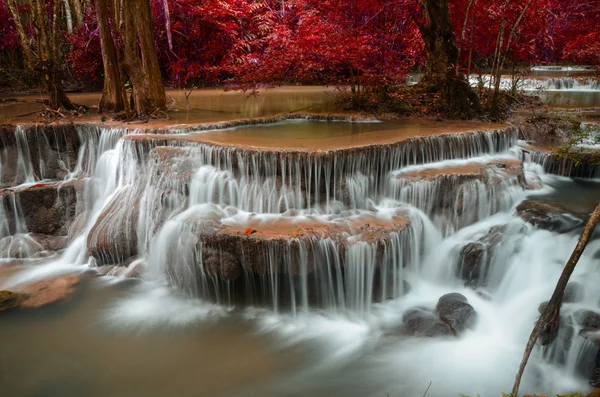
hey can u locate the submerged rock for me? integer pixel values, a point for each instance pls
(40, 293)
(45, 292)
(9, 300)
(456, 312)
(550, 216)
(23, 246)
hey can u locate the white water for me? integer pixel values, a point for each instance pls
(554, 84)
(345, 326)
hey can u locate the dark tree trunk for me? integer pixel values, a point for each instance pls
(114, 96)
(50, 63)
(140, 60)
(457, 99)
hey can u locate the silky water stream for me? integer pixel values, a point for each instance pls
(285, 270)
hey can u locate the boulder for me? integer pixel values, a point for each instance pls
(549, 216)
(587, 319)
(476, 256)
(424, 322)
(455, 311)
(113, 238)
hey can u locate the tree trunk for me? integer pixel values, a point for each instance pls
(500, 59)
(27, 53)
(114, 96)
(78, 10)
(549, 321)
(140, 60)
(49, 60)
(457, 99)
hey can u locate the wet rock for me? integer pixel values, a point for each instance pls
(456, 312)
(424, 322)
(19, 246)
(476, 257)
(78, 225)
(595, 379)
(587, 319)
(47, 150)
(550, 216)
(46, 292)
(591, 334)
(573, 292)
(113, 238)
(23, 246)
(42, 293)
(43, 255)
(9, 300)
(52, 243)
(136, 270)
(221, 264)
(46, 208)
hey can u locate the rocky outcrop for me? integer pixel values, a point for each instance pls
(462, 191)
(41, 151)
(44, 208)
(113, 238)
(452, 316)
(476, 257)
(549, 216)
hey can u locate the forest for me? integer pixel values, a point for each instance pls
(367, 45)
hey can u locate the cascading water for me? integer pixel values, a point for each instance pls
(338, 246)
(556, 84)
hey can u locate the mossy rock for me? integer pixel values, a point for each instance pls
(9, 300)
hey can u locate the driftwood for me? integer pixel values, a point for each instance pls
(549, 321)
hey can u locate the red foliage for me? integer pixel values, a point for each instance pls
(373, 43)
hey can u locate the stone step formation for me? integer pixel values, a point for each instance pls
(286, 227)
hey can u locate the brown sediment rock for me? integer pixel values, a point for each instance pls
(256, 245)
(113, 238)
(40, 293)
(446, 191)
(46, 292)
(392, 153)
(550, 216)
(46, 208)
